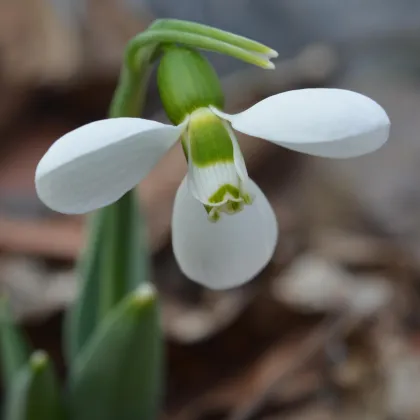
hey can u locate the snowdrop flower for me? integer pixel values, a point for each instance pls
(224, 230)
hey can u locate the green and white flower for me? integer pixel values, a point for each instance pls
(94, 165)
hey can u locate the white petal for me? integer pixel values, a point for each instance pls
(229, 252)
(96, 164)
(322, 122)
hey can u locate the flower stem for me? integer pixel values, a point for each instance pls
(128, 99)
(123, 265)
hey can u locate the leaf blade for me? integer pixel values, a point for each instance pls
(34, 395)
(14, 349)
(119, 373)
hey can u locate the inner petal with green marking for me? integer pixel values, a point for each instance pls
(216, 173)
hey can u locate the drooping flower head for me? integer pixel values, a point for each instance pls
(224, 230)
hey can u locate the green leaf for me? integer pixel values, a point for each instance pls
(34, 393)
(82, 318)
(125, 263)
(14, 349)
(118, 375)
(116, 263)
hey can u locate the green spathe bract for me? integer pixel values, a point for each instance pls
(215, 34)
(187, 82)
(175, 37)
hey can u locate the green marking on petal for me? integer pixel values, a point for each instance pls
(247, 199)
(209, 140)
(220, 194)
(233, 207)
(236, 200)
(213, 213)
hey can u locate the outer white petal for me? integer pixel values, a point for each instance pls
(322, 122)
(229, 252)
(96, 164)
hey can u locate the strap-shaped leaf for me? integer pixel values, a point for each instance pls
(34, 394)
(82, 318)
(118, 374)
(14, 349)
(116, 263)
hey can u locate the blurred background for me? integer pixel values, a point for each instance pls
(331, 329)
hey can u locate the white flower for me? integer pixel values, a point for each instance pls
(96, 164)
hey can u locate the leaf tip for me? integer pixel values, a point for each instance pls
(38, 360)
(144, 294)
(269, 65)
